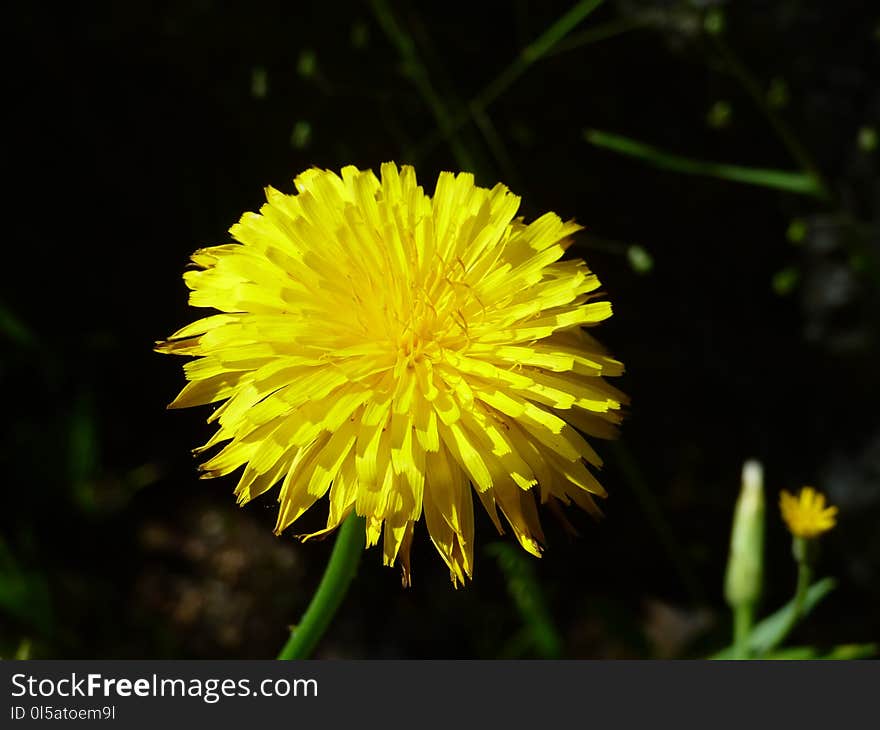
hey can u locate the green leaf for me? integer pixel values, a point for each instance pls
(842, 652)
(793, 182)
(772, 629)
(794, 653)
(852, 651)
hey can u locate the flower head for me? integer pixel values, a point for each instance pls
(394, 350)
(806, 514)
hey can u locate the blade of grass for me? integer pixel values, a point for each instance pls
(794, 182)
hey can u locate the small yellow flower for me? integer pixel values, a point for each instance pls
(394, 350)
(806, 514)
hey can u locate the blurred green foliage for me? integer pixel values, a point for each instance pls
(538, 634)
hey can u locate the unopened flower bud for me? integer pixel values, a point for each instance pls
(742, 584)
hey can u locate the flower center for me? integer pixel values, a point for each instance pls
(412, 343)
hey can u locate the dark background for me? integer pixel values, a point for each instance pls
(140, 131)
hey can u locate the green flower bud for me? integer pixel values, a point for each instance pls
(742, 585)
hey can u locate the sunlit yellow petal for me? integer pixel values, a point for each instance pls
(806, 514)
(399, 353)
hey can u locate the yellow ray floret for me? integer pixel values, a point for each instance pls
(399, 353)
(806, 514)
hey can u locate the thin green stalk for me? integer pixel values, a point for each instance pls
(338, 575)
(794, 182)
(801, 549)
(782, 130)
(539, 632)
(535, 51)
(418, 73)
(771, 631)
(743, 618)
(497, 147)
(603, 32)
(805, 575)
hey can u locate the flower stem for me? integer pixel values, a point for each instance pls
(334, 584)
(785, 134)
(743, 618)
(803, 583)
(801, 551)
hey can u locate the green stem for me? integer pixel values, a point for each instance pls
(528, 56)
(418, 74)
(533, 52)
(803, 583)
(782, 130)
(743, 618)
(338, 575)
(795, 182)
(602, 32)
(800, 548)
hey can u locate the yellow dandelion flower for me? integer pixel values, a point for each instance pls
(394, 350)
(806, 514)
